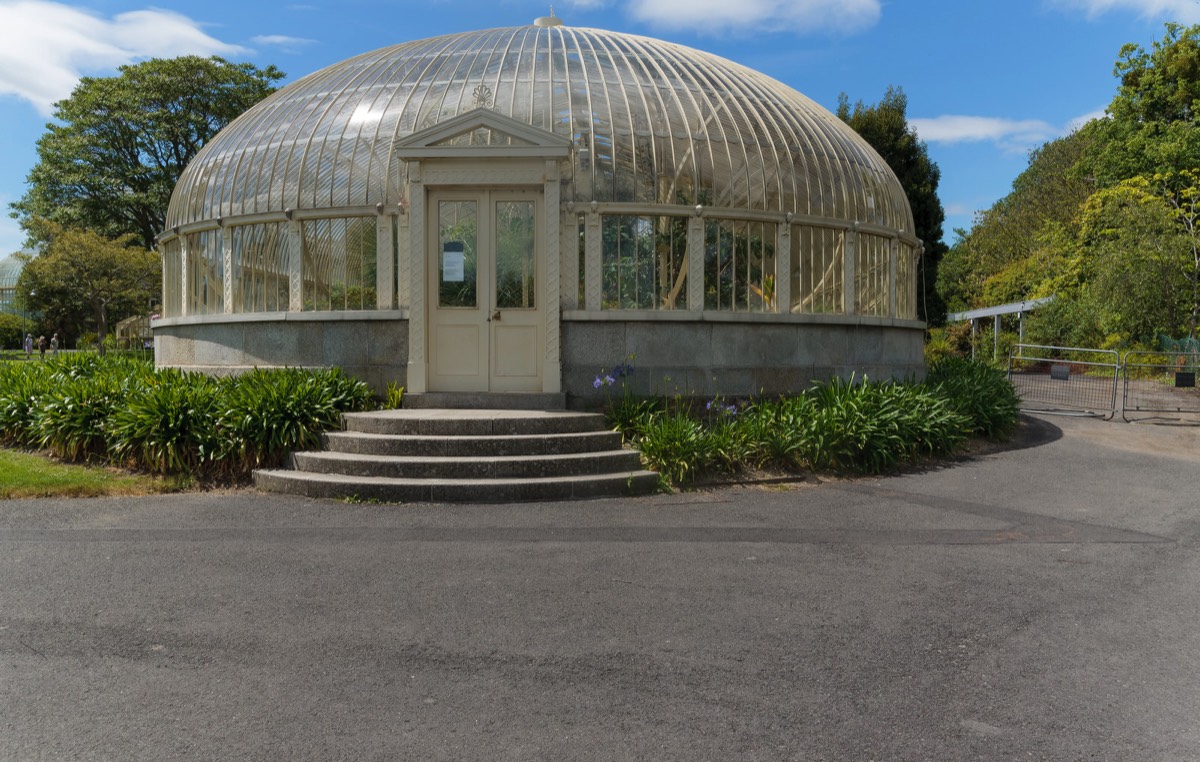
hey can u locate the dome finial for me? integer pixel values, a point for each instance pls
(548, 21)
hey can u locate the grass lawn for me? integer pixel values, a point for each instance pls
(30, 475)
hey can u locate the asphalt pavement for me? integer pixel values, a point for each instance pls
(1038, 602)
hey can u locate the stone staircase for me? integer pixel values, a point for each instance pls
(465, 456)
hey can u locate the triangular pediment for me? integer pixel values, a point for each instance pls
(482, 132)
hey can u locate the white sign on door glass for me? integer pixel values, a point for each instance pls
(453, 262)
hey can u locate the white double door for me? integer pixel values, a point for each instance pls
(486, 320)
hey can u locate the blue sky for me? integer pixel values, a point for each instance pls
(986, 80)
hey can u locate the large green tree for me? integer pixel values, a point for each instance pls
(1106, 219)
(1136, 262)
(885, 126)
(1010, 241)
(81, 279)
(117, 146)
(1153, 123)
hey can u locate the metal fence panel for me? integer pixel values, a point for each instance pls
(1160, 385)
(1065, 379)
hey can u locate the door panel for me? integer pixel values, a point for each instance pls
(485, 324)
(516, 352)
(516, 336)
(463, 346)
(457, 331)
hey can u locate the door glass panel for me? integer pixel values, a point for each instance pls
(458, 225)
(515, 263)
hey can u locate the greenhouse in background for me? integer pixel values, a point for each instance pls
(10, 271)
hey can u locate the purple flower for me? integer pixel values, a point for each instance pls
(597, 383)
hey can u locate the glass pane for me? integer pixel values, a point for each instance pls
(458, 225)
(515, 261)
(261, 279)
(739, 263)
(906, 283)
(871, 279)
(206, 273)
(643, 262)
(818, 269)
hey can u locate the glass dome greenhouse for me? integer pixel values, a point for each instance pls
(10, 272)
(511, 210)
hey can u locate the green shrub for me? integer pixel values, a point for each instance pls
(775, 432)
(630, 415)
(170, 425)
(117, 407)
(725, 447)
(984, 395)
(21, 383)
(71, 415)
(269, 413)
(11, 334)
(393, 399)
(938, 344)
(675, 446)
(839, 425)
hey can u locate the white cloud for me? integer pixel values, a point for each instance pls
(281, 40)
(953, 128)
(1186, 11)
(1012, 135)
(45, 46)
(1079, 121)
(757, 15)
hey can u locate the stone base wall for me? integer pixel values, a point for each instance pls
(690, 358)
(374, 350)
(702, 359)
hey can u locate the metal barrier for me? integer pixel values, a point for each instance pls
(1065, 379)
(1158, 384)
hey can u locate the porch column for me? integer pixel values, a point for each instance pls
(551, 290)
(417, 365)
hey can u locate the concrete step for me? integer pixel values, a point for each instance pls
(454, 490)
(517, 444)
(448, 422)
(487, 467)
(485, 401)
(465, 456)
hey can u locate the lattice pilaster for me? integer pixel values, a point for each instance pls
(593, 254)
(225, 241)
(893, 258)
(551, 372)
(295, 250)
(783, 270)
(568, 247)
(403, 260)
(385, 263)
(695, 259)
(850, 265)
(185, 281)
(416, 276)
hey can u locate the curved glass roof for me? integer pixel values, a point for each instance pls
(650, 122)
(10, 270)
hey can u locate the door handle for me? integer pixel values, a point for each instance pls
(495, 316)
